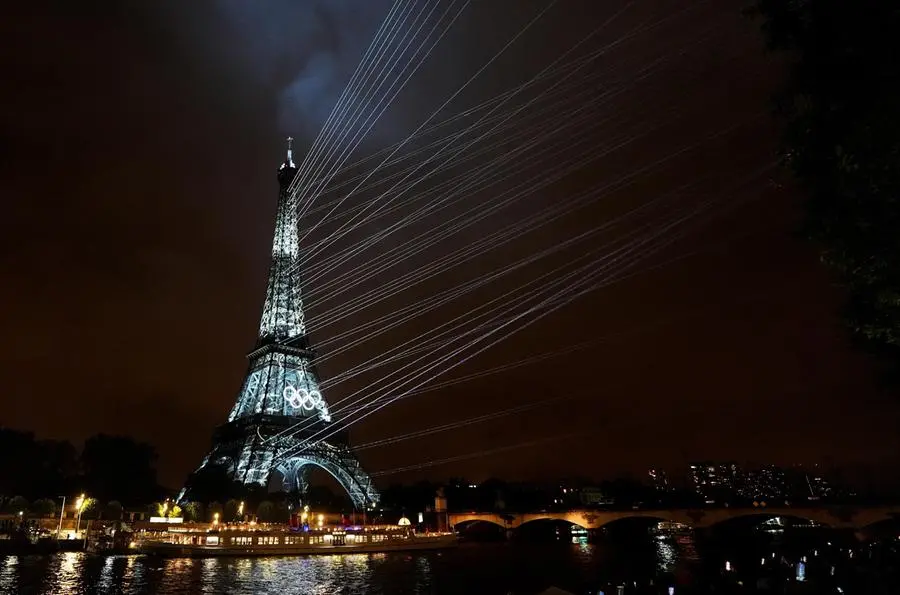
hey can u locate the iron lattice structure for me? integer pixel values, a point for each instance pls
(280, 408)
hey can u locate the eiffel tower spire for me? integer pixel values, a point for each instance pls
(282, 317)
(280, 408)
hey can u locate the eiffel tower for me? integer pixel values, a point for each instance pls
(280, 408)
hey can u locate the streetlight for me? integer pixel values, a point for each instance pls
(79, 505)
(241, 510)
(321, 520)
(216, 519)
(62, 511)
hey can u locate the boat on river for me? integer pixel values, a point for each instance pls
(254, 540)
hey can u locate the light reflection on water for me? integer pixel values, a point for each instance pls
(666, 555)
(315, 575)
(106, 576)
(66, 577)
(472, 569)
(9, 574)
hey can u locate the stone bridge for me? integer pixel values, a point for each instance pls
(837, 517)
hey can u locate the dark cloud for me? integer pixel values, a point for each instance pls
(305, 49)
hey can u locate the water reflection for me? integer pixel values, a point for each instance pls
(9, 574)
(106, 575)
(65, 576)
(134, 572)
(665, 555)
(171, 576)
(639, 564)
(210, 571)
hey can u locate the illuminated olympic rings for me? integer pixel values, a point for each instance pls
(301, 398)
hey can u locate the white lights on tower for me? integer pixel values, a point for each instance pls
(281, 390)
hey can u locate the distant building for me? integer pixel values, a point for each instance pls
(722, 482)
(816, 483)
(579, 493)
(594, 497)
(714, 481)
(766, 483)
(659, 480)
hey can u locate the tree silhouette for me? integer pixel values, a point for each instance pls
(27, 467)
(231, 510)
(193, 512)
(17, 504)
(112, 510)
(120, 468)
(841, 106)
(45, 507)
(212, 482)
(266, 511)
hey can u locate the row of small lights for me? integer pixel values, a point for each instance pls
(303, 517)
(255, 526)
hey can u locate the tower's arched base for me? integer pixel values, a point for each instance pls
(249, 450)
(342, 466)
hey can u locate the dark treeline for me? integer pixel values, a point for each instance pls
(108, 468)
(497, 494)
(840, 107)
(120, 472)
(619, 493)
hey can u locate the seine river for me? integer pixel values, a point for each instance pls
(651, 566)
(470, 569)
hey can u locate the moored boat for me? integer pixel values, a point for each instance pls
(249, 540)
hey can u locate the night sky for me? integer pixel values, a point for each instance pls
(139, 148)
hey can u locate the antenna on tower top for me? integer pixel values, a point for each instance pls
(290, 145)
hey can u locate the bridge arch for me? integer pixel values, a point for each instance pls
(533, 520)
(481, 529)
(649, 519)
(461, 520)
(872, 517)
(886, 527)
(468, 523)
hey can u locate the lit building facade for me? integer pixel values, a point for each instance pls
(718, 482)
(659, 480)
(818, 486)
(714, 481)
(766, 483)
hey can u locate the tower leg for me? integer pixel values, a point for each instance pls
(296, 480)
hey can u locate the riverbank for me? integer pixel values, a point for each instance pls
(27, 547)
